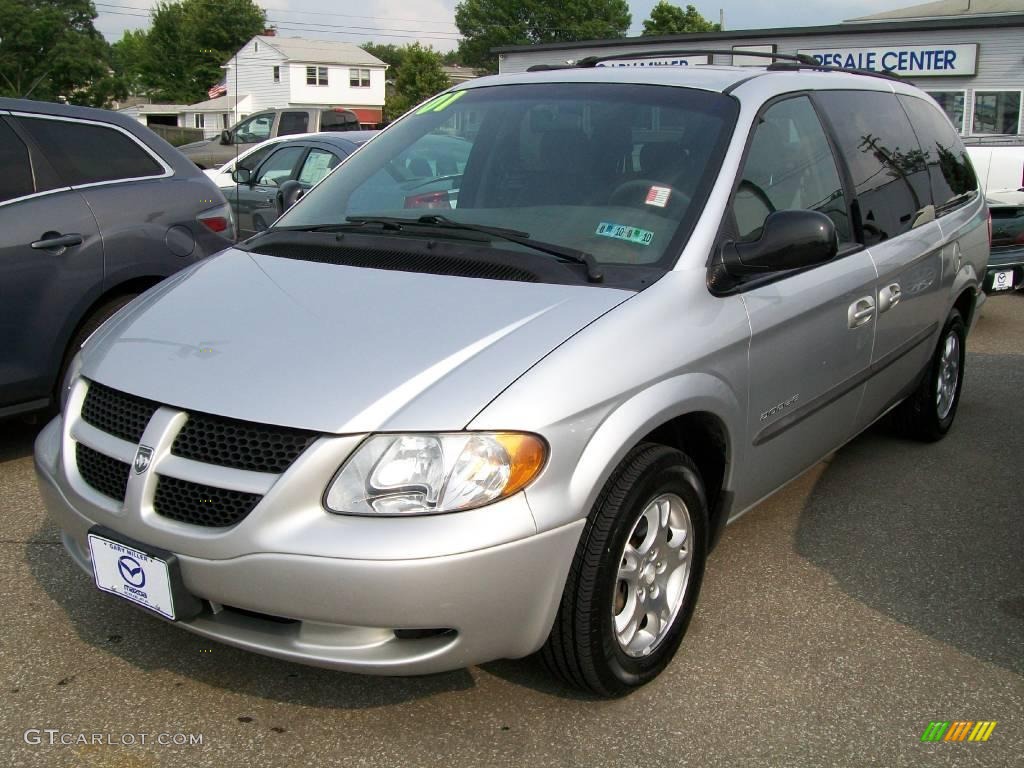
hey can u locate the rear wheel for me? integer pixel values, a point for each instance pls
(635, 577)
(929, 412)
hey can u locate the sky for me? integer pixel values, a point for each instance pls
(432, 22)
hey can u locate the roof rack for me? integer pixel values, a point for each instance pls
(780, 62)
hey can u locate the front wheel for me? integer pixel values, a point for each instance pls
(929, 412)
(635, 577)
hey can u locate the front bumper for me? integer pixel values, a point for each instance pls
(341, 611)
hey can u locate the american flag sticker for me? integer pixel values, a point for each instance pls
(658, 196)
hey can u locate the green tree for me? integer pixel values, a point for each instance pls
(126, 59)
(189, 42)
(417, 78)
(668, 19)
(391, 54)
(49, 50)
(486, 24)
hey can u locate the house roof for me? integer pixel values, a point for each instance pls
(301, 49)
(158, 109)
(947, 9)
(219, 104)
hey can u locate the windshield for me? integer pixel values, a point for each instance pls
(618, 171)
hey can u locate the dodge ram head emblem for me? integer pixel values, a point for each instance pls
(142, 459)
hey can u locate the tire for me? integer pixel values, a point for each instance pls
(585, 647)
(927, 415)
(93, 321)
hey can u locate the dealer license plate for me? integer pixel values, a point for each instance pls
(1002, 280)
(132, 574)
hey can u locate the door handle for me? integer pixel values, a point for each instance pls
(861, 312)
(889, 297)
(56, 241)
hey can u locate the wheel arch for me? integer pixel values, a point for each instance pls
(696, 413)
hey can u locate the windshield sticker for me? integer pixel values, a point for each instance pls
(658, 196)
(441, 103)
(622, 232)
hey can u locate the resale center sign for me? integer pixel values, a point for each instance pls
(911, 60)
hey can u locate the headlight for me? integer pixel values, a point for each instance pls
(424, 474)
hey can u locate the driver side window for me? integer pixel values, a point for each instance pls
(789, 166)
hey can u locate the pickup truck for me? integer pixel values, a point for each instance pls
(264, 125)
(999, 166)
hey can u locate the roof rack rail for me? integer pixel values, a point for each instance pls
(780, 62)
(785, 66)
(799, 58)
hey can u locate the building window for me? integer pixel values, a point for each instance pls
(256, 46)
(277, 74)
(359, 78)
(199, 120)
(996, 112)
(952, 103)
(316, 75)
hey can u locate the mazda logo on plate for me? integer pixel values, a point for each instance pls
(131, 571)
(142, 459)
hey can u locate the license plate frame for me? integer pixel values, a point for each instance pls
(1002, 279)
(146, 577)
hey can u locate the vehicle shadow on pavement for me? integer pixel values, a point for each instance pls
(117, 629)
(932, 535)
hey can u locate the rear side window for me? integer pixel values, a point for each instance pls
(789, 166)
(85, 153)
(889, 170)
(338, 120)
(293, 122)
(16, 178)
(952, 178)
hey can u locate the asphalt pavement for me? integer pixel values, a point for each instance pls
(881, 591)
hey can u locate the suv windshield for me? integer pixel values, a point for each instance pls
(617, 171)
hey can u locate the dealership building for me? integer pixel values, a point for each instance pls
(968, 54)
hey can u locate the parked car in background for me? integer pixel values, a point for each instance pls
(254, 181)
(268, 124)
(1006, 264)
(94, 209)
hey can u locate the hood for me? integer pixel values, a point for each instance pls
(335, 348)
(194, 145)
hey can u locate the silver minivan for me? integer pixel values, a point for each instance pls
(510, 408)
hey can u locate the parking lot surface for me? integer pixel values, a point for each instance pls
(881, 591)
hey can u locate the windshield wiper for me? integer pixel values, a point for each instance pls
(438, 221)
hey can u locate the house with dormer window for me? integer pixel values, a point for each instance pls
(272, 71)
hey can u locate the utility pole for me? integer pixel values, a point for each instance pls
(721, 19)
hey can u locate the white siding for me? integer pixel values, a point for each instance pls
(256, 77)
(337, 91)
(999, 66)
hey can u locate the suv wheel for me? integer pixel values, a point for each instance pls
(103, 313)
(635, 577)
(929, 412)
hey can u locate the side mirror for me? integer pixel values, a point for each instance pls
(225, 137)
(242, 176)
(288, 195)
(789, 240)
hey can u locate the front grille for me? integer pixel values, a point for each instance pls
(108, 476)
(240, 444)
(202, 505)
(117, 413)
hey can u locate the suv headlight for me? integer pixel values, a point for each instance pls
(424, 474)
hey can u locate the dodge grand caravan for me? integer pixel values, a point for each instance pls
(405, 433)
